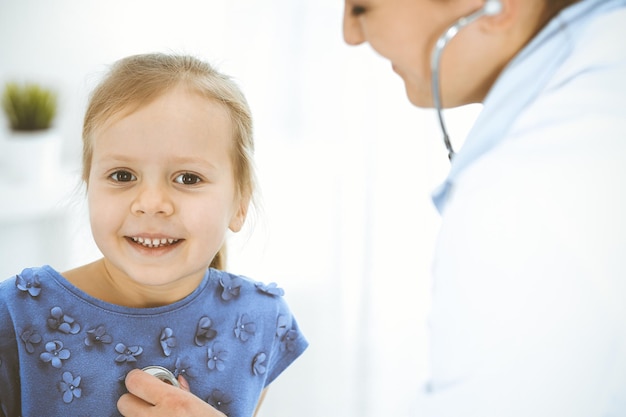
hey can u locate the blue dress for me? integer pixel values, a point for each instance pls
(65, 353)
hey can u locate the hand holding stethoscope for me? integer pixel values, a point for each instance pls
(164, 396)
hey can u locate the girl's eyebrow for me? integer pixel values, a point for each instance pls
(115, 157)
(195, 161)
(122, 158)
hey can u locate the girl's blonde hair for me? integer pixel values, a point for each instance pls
(137, 80)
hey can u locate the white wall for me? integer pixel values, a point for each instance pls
(346, 167)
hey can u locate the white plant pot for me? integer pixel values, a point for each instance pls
(32, 158)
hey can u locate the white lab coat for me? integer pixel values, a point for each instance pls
(529, 297)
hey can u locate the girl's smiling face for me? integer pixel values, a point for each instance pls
(162, 194)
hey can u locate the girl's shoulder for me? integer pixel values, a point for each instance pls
(29, 281)
(20, 295)
(241, 289)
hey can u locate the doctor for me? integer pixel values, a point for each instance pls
(529, 290)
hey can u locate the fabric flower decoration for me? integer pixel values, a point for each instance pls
(231, 285)
(204, 332)
(127, 354)
(30, 285)
(217, 357)
(62, 322)
(167, 340)
(55, 354)
(245, 328)
(30, 338)
(286, 335)
(184, 367)
(288, 341)
(282, 325)
(258, 364)
(220, 400)
(70, 387)
(271, 289)
(97, 336)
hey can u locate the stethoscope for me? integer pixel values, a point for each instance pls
(491, 7)
(163, 374)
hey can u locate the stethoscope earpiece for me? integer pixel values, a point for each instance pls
(492, 7)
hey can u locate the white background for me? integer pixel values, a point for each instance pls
(346, 167)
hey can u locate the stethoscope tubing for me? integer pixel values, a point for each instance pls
(435, 68)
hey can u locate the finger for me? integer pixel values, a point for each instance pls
(145, 386)
(129, 405)
(184, 385)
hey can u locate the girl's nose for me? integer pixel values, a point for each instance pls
(352, 30)
(152, 199)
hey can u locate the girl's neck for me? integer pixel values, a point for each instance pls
(99, 281)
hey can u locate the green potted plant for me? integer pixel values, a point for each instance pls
(31, 150)
(29, 107)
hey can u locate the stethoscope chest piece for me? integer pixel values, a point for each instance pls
(163, 374)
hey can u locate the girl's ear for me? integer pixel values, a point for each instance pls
(239, 217)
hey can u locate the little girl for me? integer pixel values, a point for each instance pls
(168, 169)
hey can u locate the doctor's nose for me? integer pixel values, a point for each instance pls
(152, 199)
(352, 29)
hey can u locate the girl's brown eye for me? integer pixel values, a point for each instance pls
(187, 179)
(357, 10)
(122, 176)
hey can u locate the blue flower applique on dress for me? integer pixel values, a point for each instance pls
(286, 335)
(245, 328)
(97, 336)
(204, 332)
(184, 367)
(259, 364)
(231, 285)
(270, 289)
(30, 337)
(217, 357)
(220, 400)
(55, 354)
(62, 322)
(30, 285)
(70, 387)
(167, 341)
(127, 354)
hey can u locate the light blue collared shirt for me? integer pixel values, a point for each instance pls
(520, 83)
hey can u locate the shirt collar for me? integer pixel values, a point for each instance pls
(532, 68)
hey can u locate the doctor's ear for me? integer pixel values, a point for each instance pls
(500, 14)
(521, 18)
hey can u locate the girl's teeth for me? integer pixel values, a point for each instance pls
(153, 243)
